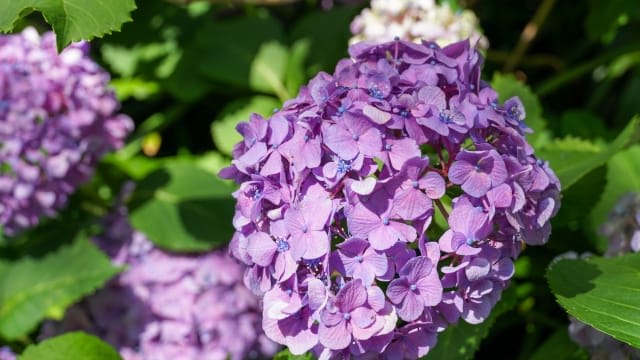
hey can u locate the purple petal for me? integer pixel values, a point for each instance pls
(477, 184)
(460, 171)
(261, 248)
(335, 337)
(411, 308)
(376, 115)
(433, 184)
(397, 290)
(340, 141)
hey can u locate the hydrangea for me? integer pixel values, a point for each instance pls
(416, 20)
(6, 353)
(169, 307)
(386, 201)
(57, 118)
(622, 229)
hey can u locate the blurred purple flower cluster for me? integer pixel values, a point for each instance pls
(622, 229)
(6, 353)
(57, 118)
(169, 307)
(341, 192)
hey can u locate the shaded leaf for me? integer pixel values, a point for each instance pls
(461, 341)
(601, 292)
(559, 346)
(287, 355)
(181, 207)
(572, 158)
(72, 20)
(71, 346)
(623, 175)
(37, 288)
(268, 70)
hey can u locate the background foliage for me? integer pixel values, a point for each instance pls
(188, 73)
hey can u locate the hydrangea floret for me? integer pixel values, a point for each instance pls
(416, 20)
(166, 306)
(622, 229)
(57, 118)
(386, 201)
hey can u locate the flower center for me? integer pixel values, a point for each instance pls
(359, 258)
(343, 166)
(413, 287)
(346, 316)
(283, 245)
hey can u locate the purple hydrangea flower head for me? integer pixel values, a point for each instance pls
(622, 229)
(344, 240)
(166, 306)
(57, 118)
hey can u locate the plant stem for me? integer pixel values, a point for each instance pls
(528, 34)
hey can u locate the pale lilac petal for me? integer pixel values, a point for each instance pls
(261, 248)
(433, 184)
(411, 308)
(335, 337)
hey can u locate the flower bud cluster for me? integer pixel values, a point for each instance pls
(57, 118)
(622, 229)
(386, 201)
(166, 306)
(416, 20)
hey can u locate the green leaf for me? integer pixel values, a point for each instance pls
(508, 86)
(287, 355)
(72, 20)
(225, 50)
(36, 288)
(268, 70)
(71, 346)
(572, 158)
(603, 293)
(605, 17)
(327, 43)
(559, 346)
(295, 76)
(223, 130)
(623, 175)
(182, 207)
(460, 342)
(137, 88)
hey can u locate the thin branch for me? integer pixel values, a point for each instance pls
(528, 34)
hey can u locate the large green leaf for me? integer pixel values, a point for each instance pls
(327, 33)
(223, 130)
(623, 175)
(182, 207)
(268, 70)
(572, 158)
(32, 289)
(72, 20)
(460, 342)
(601, 292)
(225, 50)
(71, 346)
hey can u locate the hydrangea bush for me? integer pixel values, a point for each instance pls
(416, 20)
(57, 118)
(622, 229)
(166, 306)
(386, 202)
